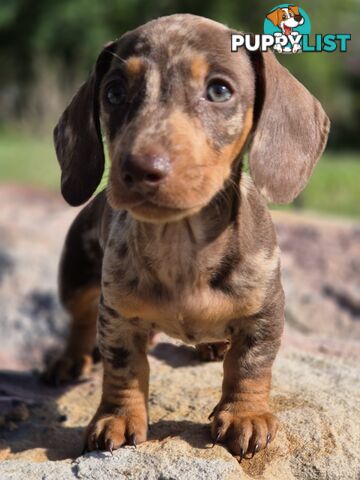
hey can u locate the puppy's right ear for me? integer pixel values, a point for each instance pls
(290, 134)
(77, 137)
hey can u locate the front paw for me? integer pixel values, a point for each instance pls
(66, 369)
(244, 434)
(109, 431)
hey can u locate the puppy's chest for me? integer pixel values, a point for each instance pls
(174, 294)
(168, 293)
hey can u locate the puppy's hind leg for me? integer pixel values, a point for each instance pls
(77, 358)
(79, 288)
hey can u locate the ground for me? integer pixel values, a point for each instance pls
(315, 378)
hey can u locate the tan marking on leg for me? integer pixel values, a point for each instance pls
(76, 360)
(243, 418)
(122, 415)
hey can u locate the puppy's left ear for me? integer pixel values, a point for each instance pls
(290, 134)
(77, 137)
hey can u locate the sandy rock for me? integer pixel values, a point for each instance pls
(315, 397)
(315, 379)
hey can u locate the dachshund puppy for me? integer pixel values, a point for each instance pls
(181, 241)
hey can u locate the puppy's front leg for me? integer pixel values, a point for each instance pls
(242, 419)
(122, 414)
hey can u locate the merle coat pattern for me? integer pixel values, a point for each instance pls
(181, 240)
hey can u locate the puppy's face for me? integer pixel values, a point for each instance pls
(176, 107)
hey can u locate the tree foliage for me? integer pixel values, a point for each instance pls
(42, 39)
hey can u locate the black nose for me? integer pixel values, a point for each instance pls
(298, 18)
(144, 172)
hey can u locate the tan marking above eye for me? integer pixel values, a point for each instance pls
(199, 68)
(134, 66)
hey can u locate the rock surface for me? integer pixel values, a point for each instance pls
(316, 399)
(315, 378)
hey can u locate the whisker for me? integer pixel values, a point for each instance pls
(116, 56)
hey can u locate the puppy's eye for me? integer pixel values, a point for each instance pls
(116, 94)
(218, 92)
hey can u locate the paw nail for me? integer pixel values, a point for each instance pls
(212, 414)
(94, 443)
(268, 439)
(256, 449)
(109, 445)
(216, 440)
(241, 454)
(211, 351)
(132, 440)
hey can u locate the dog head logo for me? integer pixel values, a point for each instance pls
(288, 21)
(286, 18)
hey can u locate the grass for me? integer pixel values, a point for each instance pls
(28, 160)
(333, 188)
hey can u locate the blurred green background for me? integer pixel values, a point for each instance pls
(48, 48)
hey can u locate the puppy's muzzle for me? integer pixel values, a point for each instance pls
(144, 173)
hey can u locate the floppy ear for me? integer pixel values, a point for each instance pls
(290, 133)
(294, 9)
(274, 17)
(77, 137)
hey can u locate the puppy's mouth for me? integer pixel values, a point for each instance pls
(149, 211)
(150, 194)
(148, 207)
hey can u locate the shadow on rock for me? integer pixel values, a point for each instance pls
(195, 434)
(30, 419)
(176, 355)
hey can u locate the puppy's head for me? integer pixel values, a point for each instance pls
(177, 109)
